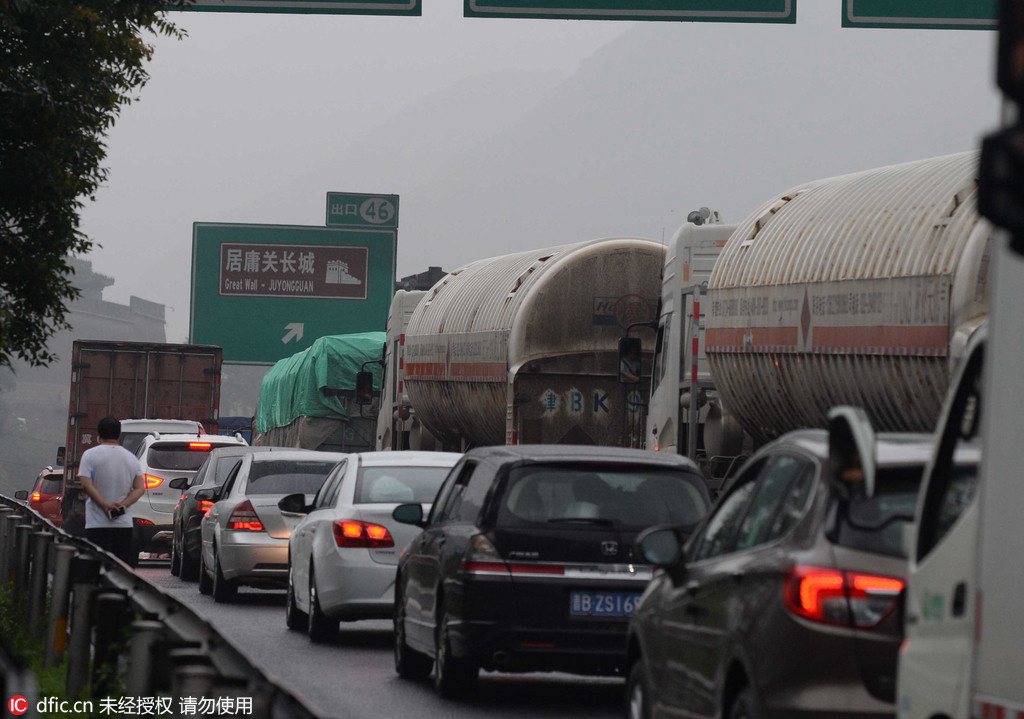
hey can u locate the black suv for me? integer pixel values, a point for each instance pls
(526, 562)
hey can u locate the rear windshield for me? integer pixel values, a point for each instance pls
(627, 498)
(287, 476)
(184, 456)
(399, 484)
(876, 524)
(51, 484)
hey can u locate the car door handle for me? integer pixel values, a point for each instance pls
(959, 604)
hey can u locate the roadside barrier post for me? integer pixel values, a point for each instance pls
(41, 542)
(6, 542)
(11, 522)
(192, 675)
(146, 636)
(85, 572)
(23, 555)
(110, 619)
(60, 595)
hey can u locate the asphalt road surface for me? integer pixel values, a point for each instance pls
(355, 676)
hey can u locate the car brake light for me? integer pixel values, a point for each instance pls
(152, 481)
(140, 522)
(36, 497)
(199, 445)
(205, 505)
(244, 518)
(834, 597)
(352, 533)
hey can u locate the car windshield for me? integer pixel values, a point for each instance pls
(398, 484)
(875, 524)
(287, 476)
(183, 456)
(625, 497)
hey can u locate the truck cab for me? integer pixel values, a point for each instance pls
(689, 259)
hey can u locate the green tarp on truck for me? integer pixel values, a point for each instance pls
(318, 383)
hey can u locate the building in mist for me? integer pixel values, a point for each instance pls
(34, 400)
(422, 281)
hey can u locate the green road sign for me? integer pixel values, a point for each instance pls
(353, 209)
(776, 11)
(264, 292)
(323, 7)
(922, 14)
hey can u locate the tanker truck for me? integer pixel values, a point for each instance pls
(523, 348)
(861, 289)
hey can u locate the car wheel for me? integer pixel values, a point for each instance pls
(744, 706)
(454, 678)
(205, 582)
(319, 627)
(189, 570)
(294, 617)
(409, 663)
(224, 590)
(638, 694)
(175, 560)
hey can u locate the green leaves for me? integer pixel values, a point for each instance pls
(66, 70)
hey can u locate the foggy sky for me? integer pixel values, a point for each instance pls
(505, 135)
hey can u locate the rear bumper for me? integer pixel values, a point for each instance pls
(351, 585)
(522, 648)
(254, 558)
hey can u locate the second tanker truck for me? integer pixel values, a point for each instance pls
(860, 290)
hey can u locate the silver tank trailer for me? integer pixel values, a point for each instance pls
(860, 289)
(523, 347)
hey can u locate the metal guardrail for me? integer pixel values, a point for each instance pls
(167, 651)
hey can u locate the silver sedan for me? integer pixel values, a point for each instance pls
(244, 535)
(344, 552)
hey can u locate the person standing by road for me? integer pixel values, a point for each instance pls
(112, 478)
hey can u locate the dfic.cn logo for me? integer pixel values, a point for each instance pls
(17, 705)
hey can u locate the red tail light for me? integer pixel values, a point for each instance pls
(834, 597)
(205, 505)
(482, 558)
(36, 497)
(152, 481)
(244, 518)
(140, 522)
(351, 533)
(199, 445)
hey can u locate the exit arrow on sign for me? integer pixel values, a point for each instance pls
(295, 330)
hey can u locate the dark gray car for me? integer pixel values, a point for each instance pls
(785, 602)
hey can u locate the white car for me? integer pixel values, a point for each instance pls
(166, 458)
(343, 554)
(245, 535)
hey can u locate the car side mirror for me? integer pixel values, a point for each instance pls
(209, 495)
(661, 546)
(409, 514)
(851, 452)
(293, 504)
(178, 483)
(21, 494)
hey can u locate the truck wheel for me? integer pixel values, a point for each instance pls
(409, 663)
(454, 678)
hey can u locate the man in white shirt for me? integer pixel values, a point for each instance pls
(112, 478)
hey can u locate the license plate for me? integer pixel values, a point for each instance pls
(603, 604)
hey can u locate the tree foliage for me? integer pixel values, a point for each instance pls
(66, 69)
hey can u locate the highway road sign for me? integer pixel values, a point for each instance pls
(922, 14)
(773, 11)
(324, 7)
(356, 209)
(264, 292)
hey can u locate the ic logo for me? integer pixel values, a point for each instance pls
(609, 548)
(17, 705)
